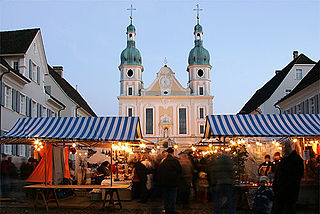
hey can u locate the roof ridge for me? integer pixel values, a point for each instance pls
(25, 29)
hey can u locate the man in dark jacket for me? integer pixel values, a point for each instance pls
(287, 180)
(170, 172)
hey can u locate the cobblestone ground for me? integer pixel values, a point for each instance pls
(83, 205)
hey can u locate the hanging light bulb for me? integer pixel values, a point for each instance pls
(193, 148)
(295, 140)
(257, 143)
(153, 151)
(210, 145)
(73, 145)
(175, 146)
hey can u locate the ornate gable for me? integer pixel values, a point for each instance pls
(165, 84)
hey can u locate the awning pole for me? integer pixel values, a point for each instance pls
(45, 163)
(111, 163)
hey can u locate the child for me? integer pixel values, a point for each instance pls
(263, 197)
(202, 186)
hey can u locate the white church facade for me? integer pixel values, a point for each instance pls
(167, 110)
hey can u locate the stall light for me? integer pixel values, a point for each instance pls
(239, 141)
(153, 151)
(232, 142)
(234, 153)
(222, 148)
(260, 144)
(85, 153)
(158, 147)
(305, 144)
(70, 153)
(175, 146)
(243, 141)
(295, 140)
(79, 153)
(210, 145)
(280, 148)
(142, 145)
(273, 142)
(311, 141)
(277, 144)
(36, 142)
(316, 142)
(249, 145)
(193, 148)
(215, 151)
(257, 143)
(41, 147)
(74, 145)
(38, 149)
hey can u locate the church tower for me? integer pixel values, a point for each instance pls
(199, 64)
(131, 65)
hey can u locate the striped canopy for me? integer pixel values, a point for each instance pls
(76, 128)
(263, 125)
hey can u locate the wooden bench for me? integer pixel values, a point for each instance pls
(43, 192)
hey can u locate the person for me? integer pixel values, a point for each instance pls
(102, 172)
(265, 168)
(186, 180)
(4, 177)
(170, 171)
(202, 186)
(275, 163)
(286, 184)
(26, 169)
(263, 197)
(223, 170)
(139, 189)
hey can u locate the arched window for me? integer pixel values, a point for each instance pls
(200, 73)
(130, 73)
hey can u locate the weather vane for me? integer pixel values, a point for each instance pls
(131, 9)
(198, 12)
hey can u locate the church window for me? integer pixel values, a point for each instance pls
(130, 36)
(200, 90)
(201, 129)
(130, 73)
(201, 113)
(129, 112)
(200, 73)
(198, 36)
(182, 121)
(149, 121)
(130, 91)
(165, 92)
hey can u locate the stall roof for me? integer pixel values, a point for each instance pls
(262, 125)
(75, 128)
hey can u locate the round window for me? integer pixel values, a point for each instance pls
(200, 73)
(130, 73)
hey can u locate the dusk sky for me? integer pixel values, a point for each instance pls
(247, 41)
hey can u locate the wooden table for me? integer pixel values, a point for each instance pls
(43, 191)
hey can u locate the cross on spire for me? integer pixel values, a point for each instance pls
(131, 9)
(198, 12)
(165, 61)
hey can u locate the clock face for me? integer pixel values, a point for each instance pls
(165, 82)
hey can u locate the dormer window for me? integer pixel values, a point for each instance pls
(298, 74)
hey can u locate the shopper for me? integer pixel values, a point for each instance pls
(223, 170)
(186, 180)
(139, 189)
(169, 174)
(263, 197)
(286, 184)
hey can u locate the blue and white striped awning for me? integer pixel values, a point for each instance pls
(263, 125)
(77, 128)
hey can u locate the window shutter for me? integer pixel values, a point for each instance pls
(14, 100)
(18, 102)
(38, 110)
(38, 74)
(2, 94)
(28, 107)
(30, 69)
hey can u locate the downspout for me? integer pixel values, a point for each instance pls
(64, 107)
(276, 106)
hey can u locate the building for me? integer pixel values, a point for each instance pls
(167, 110)
(305, 97)
(29, 88)
(281, 84)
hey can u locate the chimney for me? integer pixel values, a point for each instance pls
(295, 54)
(277, 71)
(58, 69)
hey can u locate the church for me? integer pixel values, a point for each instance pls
(167, 111)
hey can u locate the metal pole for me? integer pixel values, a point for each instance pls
(45, 163)
(111, 163)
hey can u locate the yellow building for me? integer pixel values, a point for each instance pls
(166, 109)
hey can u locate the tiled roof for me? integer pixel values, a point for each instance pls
(16, 42)
(269, 88)
(70, 91)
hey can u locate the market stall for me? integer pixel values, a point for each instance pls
(73, 133)
(244, 134)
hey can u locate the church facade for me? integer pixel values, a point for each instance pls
(167, 110)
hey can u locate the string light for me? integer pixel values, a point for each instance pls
(210, 145)
(175, 146)
(153, 151)
(74, 145)
(193, 148)
(295, 140)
